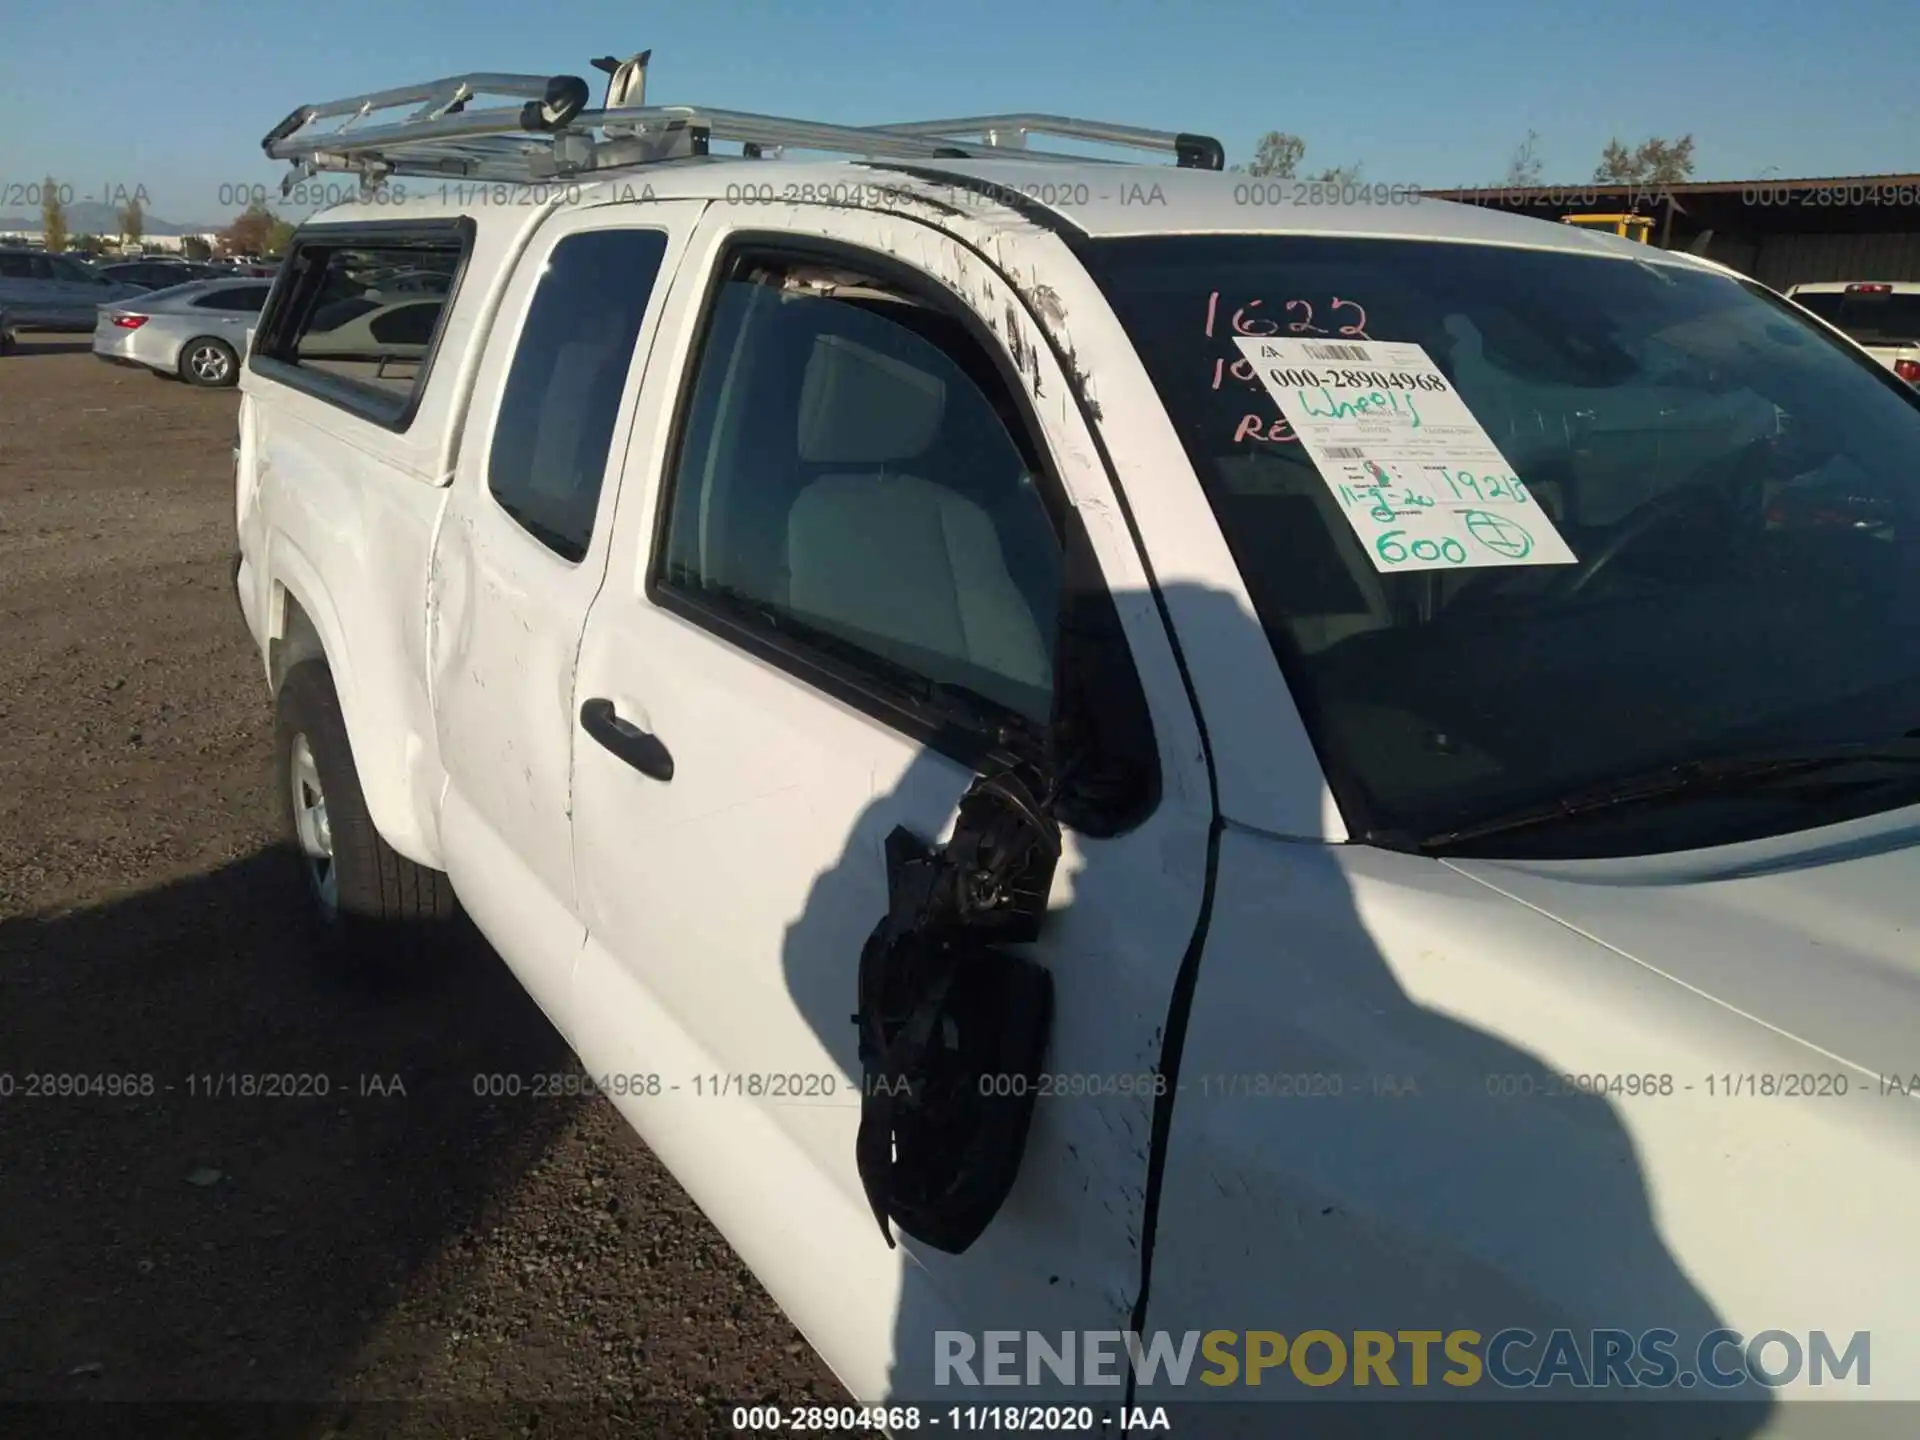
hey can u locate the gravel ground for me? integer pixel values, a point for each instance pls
(396, 1238)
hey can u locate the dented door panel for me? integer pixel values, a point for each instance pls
(505, 609)
(727, 911)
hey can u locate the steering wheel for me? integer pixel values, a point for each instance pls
(1719, 484)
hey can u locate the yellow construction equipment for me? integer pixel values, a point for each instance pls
(1632, 227)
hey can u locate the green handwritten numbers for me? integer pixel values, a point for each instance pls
(1395, 549)
(1466, 485)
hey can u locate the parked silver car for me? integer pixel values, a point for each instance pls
(53, 292)
(196, 331)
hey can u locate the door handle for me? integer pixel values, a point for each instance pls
(642, 751)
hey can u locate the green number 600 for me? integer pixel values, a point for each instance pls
(1391, 549)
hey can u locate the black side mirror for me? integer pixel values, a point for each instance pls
(953, 1028)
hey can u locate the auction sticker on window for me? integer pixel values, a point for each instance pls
(1419, 480)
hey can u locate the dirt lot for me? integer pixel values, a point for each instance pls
(410, 1242)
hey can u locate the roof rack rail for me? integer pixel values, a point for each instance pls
(550, 133)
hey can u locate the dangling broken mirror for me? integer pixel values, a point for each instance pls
(954, 1025)
(946, 1010)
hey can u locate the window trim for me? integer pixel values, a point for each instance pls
(296, 283)
(863, 688)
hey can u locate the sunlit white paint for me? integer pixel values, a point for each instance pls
(505, 613)
(1458, 1208)
(737, 899)
(666, 950)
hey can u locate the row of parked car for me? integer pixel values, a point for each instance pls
(41, 291)
(194, 328)
(176, 317)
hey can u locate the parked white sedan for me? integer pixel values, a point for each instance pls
(196, 331)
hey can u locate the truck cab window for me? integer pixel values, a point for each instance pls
(846, 475)
(562, 394)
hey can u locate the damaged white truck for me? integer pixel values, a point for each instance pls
(1322, 780)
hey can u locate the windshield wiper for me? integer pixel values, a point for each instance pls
(1724, 775)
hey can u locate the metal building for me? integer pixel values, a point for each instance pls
(1781, 232)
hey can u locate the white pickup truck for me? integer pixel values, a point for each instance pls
(1329, 782)
(1882, 316)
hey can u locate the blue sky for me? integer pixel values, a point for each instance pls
(1423, 94)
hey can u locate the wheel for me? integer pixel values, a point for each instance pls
(208, 362)
(7, 343)
(367, 898)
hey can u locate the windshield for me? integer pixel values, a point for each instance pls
(1569, 518)
(1870, 317)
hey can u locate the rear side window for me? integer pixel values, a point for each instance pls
(335, 334)
(14, 265)
(238, 300)
(409, 325)
(562, 395)
(1870, 317)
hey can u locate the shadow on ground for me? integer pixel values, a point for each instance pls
(28, 344)
(197, 1243)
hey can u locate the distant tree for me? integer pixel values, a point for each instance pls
(53, 217)
(249, 232)
(1652, 162)
(1523, 170)
(194, 248)
(279, 236)
(1278, 155)
(133, 221)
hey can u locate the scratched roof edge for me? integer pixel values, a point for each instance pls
(1135, 200)
(1100, 200)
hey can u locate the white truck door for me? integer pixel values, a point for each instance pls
(860, 498)
(521, 550)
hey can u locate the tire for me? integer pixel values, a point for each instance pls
(209, 362)
(367, 900)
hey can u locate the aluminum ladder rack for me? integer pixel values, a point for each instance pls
(551, 133)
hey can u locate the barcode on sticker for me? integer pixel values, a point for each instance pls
(1344, 452)
(1338, 352)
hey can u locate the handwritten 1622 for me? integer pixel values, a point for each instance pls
(1295, 317)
